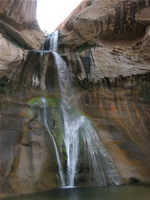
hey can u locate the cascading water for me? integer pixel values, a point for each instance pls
(55, 145)
(77, 126)
(101, 166)
(82, 145)
(71, 136)
(54, 41)
(71, 140)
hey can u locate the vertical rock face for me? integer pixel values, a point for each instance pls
(94, 21)
(19, 31)
(21, 12)
(109, 43)
(28, 162)
(106, 45)
(11, 57)
(108, 39)
(120, 112)
(18, 23)
(118, 106)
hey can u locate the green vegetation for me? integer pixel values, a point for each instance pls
(46, 32)
(3, 85)
(87, 85)
(132, 83)
(11, 88)
(54, 120)
(24, 85)
(145, 93)
(6, 87)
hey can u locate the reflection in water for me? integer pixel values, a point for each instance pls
(127, 192)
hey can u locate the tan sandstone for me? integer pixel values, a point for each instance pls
(18, 22)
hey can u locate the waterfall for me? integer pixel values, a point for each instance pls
(76, 127)
(44, 61)
(71, 140)
(45, 117)
(35, 79)
(70, 135)
(71, 122)
(63, 78)
(54, 41)
(101, 165)
(40, 81)
(38, 78)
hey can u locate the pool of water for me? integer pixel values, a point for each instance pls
(126, 192)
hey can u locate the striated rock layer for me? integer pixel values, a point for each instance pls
(108, 38)
(97, 20)
(11, 57)
(19, 31)
(120, 111)
(118, 107)
(18, 23)
(106, 45)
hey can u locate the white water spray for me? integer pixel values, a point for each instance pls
(54, 41)
(45, 117)
(70, 135)
(76, 126)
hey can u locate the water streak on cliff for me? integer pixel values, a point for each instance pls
(45, 118)
(78, 127)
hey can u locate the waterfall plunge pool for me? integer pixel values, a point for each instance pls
(125, 192)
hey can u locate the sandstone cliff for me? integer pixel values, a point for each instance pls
(18, 23)
(94, 21)
(19, 31)
(106, 45)
(113, 36)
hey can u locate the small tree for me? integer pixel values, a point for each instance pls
(46, 32)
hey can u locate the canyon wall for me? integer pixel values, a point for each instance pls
(19, 32)
(94, 21)
(106, 45)
(18, 23)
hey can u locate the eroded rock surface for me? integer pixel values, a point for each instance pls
(19, 32)
(18, 23)
(106, 45)
(109, 38)
(98, 20)
(11, 57)
(28, 161)
(120, 111)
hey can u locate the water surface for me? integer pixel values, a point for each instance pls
(127, 192)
